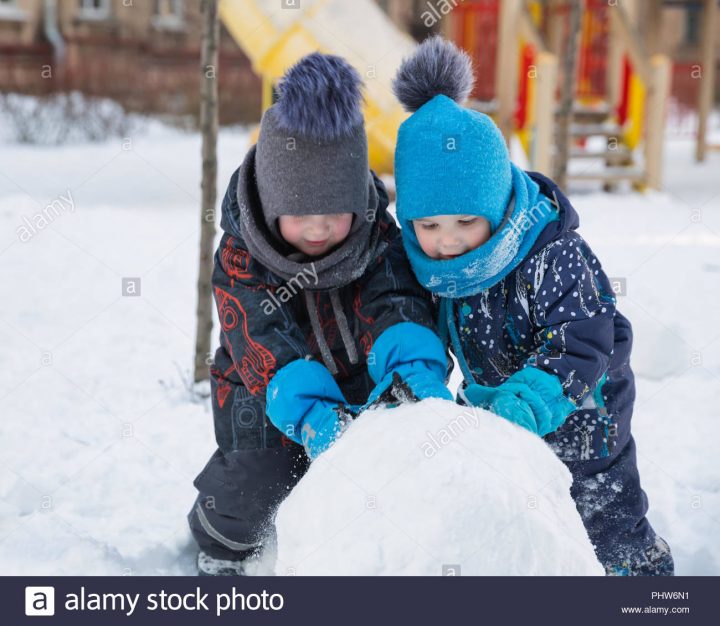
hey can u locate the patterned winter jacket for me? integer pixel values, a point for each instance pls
(555, 312)
(266, 323)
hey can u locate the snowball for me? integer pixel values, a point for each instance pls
(425, 487)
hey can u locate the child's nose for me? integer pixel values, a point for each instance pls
(449, 240)
(318, 225)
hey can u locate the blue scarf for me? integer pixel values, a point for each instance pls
(529, 211)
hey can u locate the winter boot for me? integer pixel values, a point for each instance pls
(210, 566)
(655, 561)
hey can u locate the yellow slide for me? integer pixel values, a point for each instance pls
(275, 34)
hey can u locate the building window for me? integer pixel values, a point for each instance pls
(94, 9)
(9, 11)
(169, 14)
(169, 8)
(693, 17)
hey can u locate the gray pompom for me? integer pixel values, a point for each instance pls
(320, 97)
(436, 67)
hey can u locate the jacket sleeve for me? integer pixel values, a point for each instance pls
(572, 306)
(389, 293)
(259, 334)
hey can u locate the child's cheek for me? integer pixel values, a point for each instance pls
(342, 229)
(426, 242)
(290, 231)
(482, 235)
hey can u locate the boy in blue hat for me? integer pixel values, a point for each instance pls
(523, 301)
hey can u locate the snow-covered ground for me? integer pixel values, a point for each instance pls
(100, 436)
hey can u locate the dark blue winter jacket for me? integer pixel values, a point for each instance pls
(556, 312)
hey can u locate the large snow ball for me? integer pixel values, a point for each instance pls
(429, 489)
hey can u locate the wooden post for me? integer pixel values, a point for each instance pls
(650, 17)
(547, 70)
(653, 25)
(623, 23)
(555, 27)
(656, 108)
(401, 13)
(506, 72)
(614, 74)
(449, 26)
(567, 94)
(209, 128)
(707, 80)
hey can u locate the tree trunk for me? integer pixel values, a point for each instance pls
(209, 129)
(567, 93)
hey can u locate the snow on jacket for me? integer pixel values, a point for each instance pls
(556, 312)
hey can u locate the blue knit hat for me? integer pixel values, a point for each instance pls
(449, 160)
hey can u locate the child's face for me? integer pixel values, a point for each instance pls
(448, 236)
(315, 234)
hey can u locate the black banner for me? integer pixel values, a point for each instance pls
(356, 600)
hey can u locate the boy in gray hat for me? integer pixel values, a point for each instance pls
(319, 309)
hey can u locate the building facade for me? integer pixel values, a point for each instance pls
(142, 53)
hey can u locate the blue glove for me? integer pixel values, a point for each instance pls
(478, 395)
(501, 403)
(320, 428)
(514, 410)
(530, 398)
(416, 354)
(305, 403)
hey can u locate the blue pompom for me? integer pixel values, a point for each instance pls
(437, 67)
(320, 98)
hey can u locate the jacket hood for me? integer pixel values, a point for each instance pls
(568, 218)
(242, 217)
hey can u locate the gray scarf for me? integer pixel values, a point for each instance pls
(335, 270)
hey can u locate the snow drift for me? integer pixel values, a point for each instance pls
(433, 488)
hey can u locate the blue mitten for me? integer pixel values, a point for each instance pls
(543, 394)
(530, 398)
(305, 403)
(514, 410)
(478, 395)
(413, 352)
(501, 403)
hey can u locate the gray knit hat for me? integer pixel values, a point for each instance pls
(312, 153)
